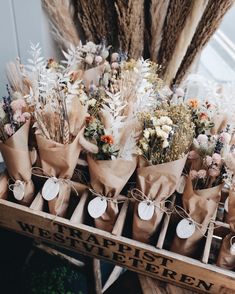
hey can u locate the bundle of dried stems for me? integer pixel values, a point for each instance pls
(98, 20)
(169, 32)
(177, 13)
(208, 24)
(61, 13)
(131, 26)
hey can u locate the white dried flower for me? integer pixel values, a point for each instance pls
(92, 102)
(166, 128)
(165, 144)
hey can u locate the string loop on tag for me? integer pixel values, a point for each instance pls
(121, 199)
(45, 175)
(140, 196)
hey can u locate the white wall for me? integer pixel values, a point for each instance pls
(22, 21)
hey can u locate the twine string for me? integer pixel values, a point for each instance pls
(109, 199)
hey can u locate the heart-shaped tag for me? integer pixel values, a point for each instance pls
(19, 190)
(51, 189)
(146, 210)
(97, 207)
(185, 229)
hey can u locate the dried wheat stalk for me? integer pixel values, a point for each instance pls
(210, 21)
(61, 13)
(158, 11)
(185, 39)
(98, 20)
(131, 26)
(177, 13)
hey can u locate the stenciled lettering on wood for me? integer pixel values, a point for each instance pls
(123, 254)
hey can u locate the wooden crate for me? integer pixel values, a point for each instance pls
(154, 261)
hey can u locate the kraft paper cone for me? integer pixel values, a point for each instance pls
(16, 155)
(201, 206)
(3, 185)
(59, 160)
(157, 182)
(231, 210)
(108, 177)
(226, 259)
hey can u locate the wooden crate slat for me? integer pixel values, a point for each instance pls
(165, 224)
(122, 251)
(78, 215)
(38, 202)
(119, 224)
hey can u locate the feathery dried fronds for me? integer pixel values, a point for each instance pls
(61, 13)
(98, 20)
(131, 26)
(177, 13)
(185, 39)
(210, 21)
(158, 11)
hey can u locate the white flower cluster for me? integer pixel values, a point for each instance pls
(163, 127)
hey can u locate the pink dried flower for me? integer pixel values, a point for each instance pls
(225, 138)
(201, 173)
(202, 139)
(26, 115)
(17, 117)
(18, 104)
(208, 160)
(193, 155)
(114, 57)
(216, 158)
(115, 65)
(193, 174)
(98, 59)
(8, 130)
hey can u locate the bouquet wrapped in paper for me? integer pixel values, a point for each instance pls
(166, 137)
(204, 182)
(15, 124)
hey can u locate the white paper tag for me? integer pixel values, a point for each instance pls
(181, 185)
(146, 210)
(97, 207)
(185, 229)
(232, 249)
(18, 190)
(51, 189)
(226, 205)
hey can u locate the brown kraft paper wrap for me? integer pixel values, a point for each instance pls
(16, 155)
(200, 205)
(157, 182)
(3, 185)
(59, 160)
(226, 259)
(108, 177)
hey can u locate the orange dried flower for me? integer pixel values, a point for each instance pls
(107, 139)
(194, 103)
(89, 119)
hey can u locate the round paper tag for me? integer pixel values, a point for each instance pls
(185, 229)
(226, 205)
(146, 210)
(50, 189)
(18, 190)
(181, 185)
(232, 249)
(97, 207)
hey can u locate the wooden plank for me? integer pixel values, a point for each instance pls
(56, 253)
(209, 237)
(122, 251)
(115, 274)
(97, 276)
(37, 203)
(165, 224)
(78, 215)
